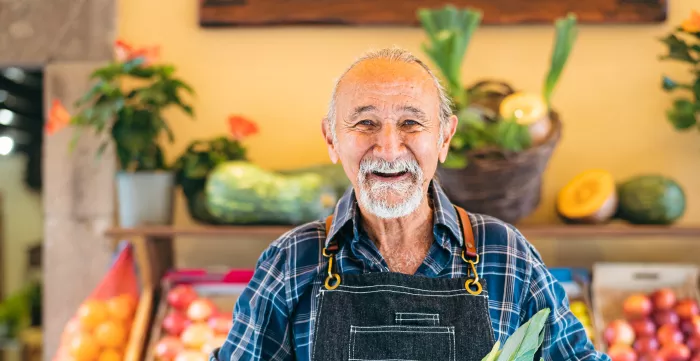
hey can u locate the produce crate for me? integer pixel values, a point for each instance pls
(140, 327)
(577, 284)
(222, 289)
(613, 283)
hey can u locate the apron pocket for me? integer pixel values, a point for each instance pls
(419, 343)
(417, 319)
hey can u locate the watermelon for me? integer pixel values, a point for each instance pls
(239, 192)
(333, 174)
(651, 199)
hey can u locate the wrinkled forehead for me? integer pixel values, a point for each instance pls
(386, 84)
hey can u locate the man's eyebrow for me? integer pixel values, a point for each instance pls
(417, 112)
(362, 109)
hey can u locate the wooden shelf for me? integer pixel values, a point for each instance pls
(543, 231)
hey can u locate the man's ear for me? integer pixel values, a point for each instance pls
(448, 132)
(328, 137)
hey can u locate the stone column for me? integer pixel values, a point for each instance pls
(68, 38)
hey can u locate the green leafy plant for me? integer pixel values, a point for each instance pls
(481, 128)
(684, 46)
(127, 102)
(523, 343)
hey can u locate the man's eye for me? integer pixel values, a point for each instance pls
(410, 122)
(365, 122)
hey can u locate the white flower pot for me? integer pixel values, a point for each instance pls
(145, 198)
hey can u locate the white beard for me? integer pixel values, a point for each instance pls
(373, 193)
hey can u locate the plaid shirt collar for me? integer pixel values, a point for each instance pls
(347, 214)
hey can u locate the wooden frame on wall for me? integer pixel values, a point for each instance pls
(222, 13)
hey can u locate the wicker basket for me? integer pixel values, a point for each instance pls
(505, 186)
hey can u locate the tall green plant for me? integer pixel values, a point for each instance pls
(565, 38)
(449, 32)
(684, 46)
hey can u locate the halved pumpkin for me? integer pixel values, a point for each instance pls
(528, 109)
(590, 197)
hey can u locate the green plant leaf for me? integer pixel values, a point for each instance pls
(668, 84)
(525, 341)
(566, 34)
(682, 114)
(455, 160)
(677, 49)
(491, 356)
(696, 90)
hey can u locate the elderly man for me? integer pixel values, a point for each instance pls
(397, 272)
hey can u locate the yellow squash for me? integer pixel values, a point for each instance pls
(590, 197)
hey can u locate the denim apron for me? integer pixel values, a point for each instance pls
(392, 316)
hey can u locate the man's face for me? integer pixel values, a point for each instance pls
(388, 136)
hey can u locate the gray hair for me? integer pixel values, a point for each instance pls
(399, 55)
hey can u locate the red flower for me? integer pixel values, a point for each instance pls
(241, 127)
(125, 52)
(58, 118)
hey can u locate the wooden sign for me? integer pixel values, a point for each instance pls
(217, 13)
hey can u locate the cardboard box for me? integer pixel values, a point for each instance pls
(223, 289)
(614, 282)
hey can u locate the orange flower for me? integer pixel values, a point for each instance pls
(692, 24)
(241, 127)
(125, 52)
(58, 117)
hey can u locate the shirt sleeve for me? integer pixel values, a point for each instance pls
(565, 337)
(261, 329)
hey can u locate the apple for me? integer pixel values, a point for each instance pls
(693, 343)
(195, 335)
(637, 306)
(669, 334)
(621, 352)
(663, 299)
(687, 308)
(692, 326)
(220, 323)
(619, 332)
(650, 356)
(675, 352)
(180, 297)
(643, 327)
(191, 355)
(201, 309)
(695, 357)
(666, 317)
(167, 348)
(174, 323)
(646, 344)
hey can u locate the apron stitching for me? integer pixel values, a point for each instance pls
(410, 288)
(412, 294)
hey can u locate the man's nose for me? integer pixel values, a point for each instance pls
(389, 144)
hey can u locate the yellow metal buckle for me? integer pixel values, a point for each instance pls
(475, 281)
(331, 275)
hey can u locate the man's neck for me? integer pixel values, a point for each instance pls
(403, 242)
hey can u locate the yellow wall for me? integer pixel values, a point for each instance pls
(22, 220)
(609, 96)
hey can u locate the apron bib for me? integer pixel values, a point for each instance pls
(392, 316)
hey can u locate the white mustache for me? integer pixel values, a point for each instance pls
(383, 166)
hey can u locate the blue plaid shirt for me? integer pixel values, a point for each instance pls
(274, 317)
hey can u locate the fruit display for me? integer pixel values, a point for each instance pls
(657, 325)
(651, 199)
(590, 197)
(594, 197)
(239, 192)
(100, 330)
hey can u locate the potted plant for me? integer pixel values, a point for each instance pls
(201, 156)
(684, 46)
(505, 137)
(126, 103)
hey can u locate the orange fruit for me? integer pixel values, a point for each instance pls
(121, 307)
(84, 347)
(111, 334)
(92, 313)
(110, 354)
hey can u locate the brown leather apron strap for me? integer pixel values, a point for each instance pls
(333, 247)
(467, 233)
